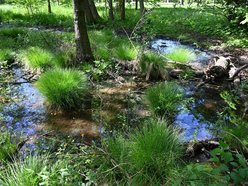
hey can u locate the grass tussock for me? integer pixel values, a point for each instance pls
(164, 98)
(149, 156)
(7, 148)
(63, 88)
(6, 55)
(153, 66)
(36, 58)
(181, 55)
(125, 52)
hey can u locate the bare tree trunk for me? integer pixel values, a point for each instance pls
(49, 6)
(142, 7)
(136, 4)
(88, 14)
(122, 9)
(111, 12)
(94, 11)
(83, 49)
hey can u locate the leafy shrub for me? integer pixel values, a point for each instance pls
(233, 167)
(7, 147)
(164, 99)
(36, 58)
(181, 55)
(153, 65)
(63, 88)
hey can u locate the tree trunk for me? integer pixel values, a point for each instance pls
(122, 9)
(94, 10)
(142, 8)
(136, 4)
(49, 6)
(111, 12)
(88, 14)
(83, 49)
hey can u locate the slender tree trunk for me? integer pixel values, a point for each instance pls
(111, 12)
(122, 9)
(49, 6)
(142, 7)
(83, 49)
(88, 14)
(94, 11)
(136, 4)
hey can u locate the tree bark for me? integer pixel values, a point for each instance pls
(142, 8)
(88, 14)
(122, 9)
(83, 49)
(136, 4)
(94, 11)
(111, 12)
(49, 6)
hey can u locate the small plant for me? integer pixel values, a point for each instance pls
(164, 99)
(7, 147)
(153, 66)
(37, 58)
(181, 55)
(63, 88)
(233, 167)
(125, 52)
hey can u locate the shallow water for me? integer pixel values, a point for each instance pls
(166, 46)
(26, 110)
(196, 122)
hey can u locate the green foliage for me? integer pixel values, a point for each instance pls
(147, 157)
(181, 55)
(7, 147)
(234, 127)
(232, 167)
(63, 88)
(164, 99)
(125, 52)
(37, 58)
(153, 64)
(98, 69)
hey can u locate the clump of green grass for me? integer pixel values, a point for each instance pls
(164, 99)
(12, 32)
(153, 66)
(125, 52)
(63, 88)
(36, 170)
(155, 151)
(181, 55)
(7, 147)
(37, 58)
(148, 156)
(6, 55)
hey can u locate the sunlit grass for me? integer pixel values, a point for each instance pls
(125, 52)
(181, 55)
(36, 58)
(63, 88)
(149, 156)
(7, 147)
(164, 98)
